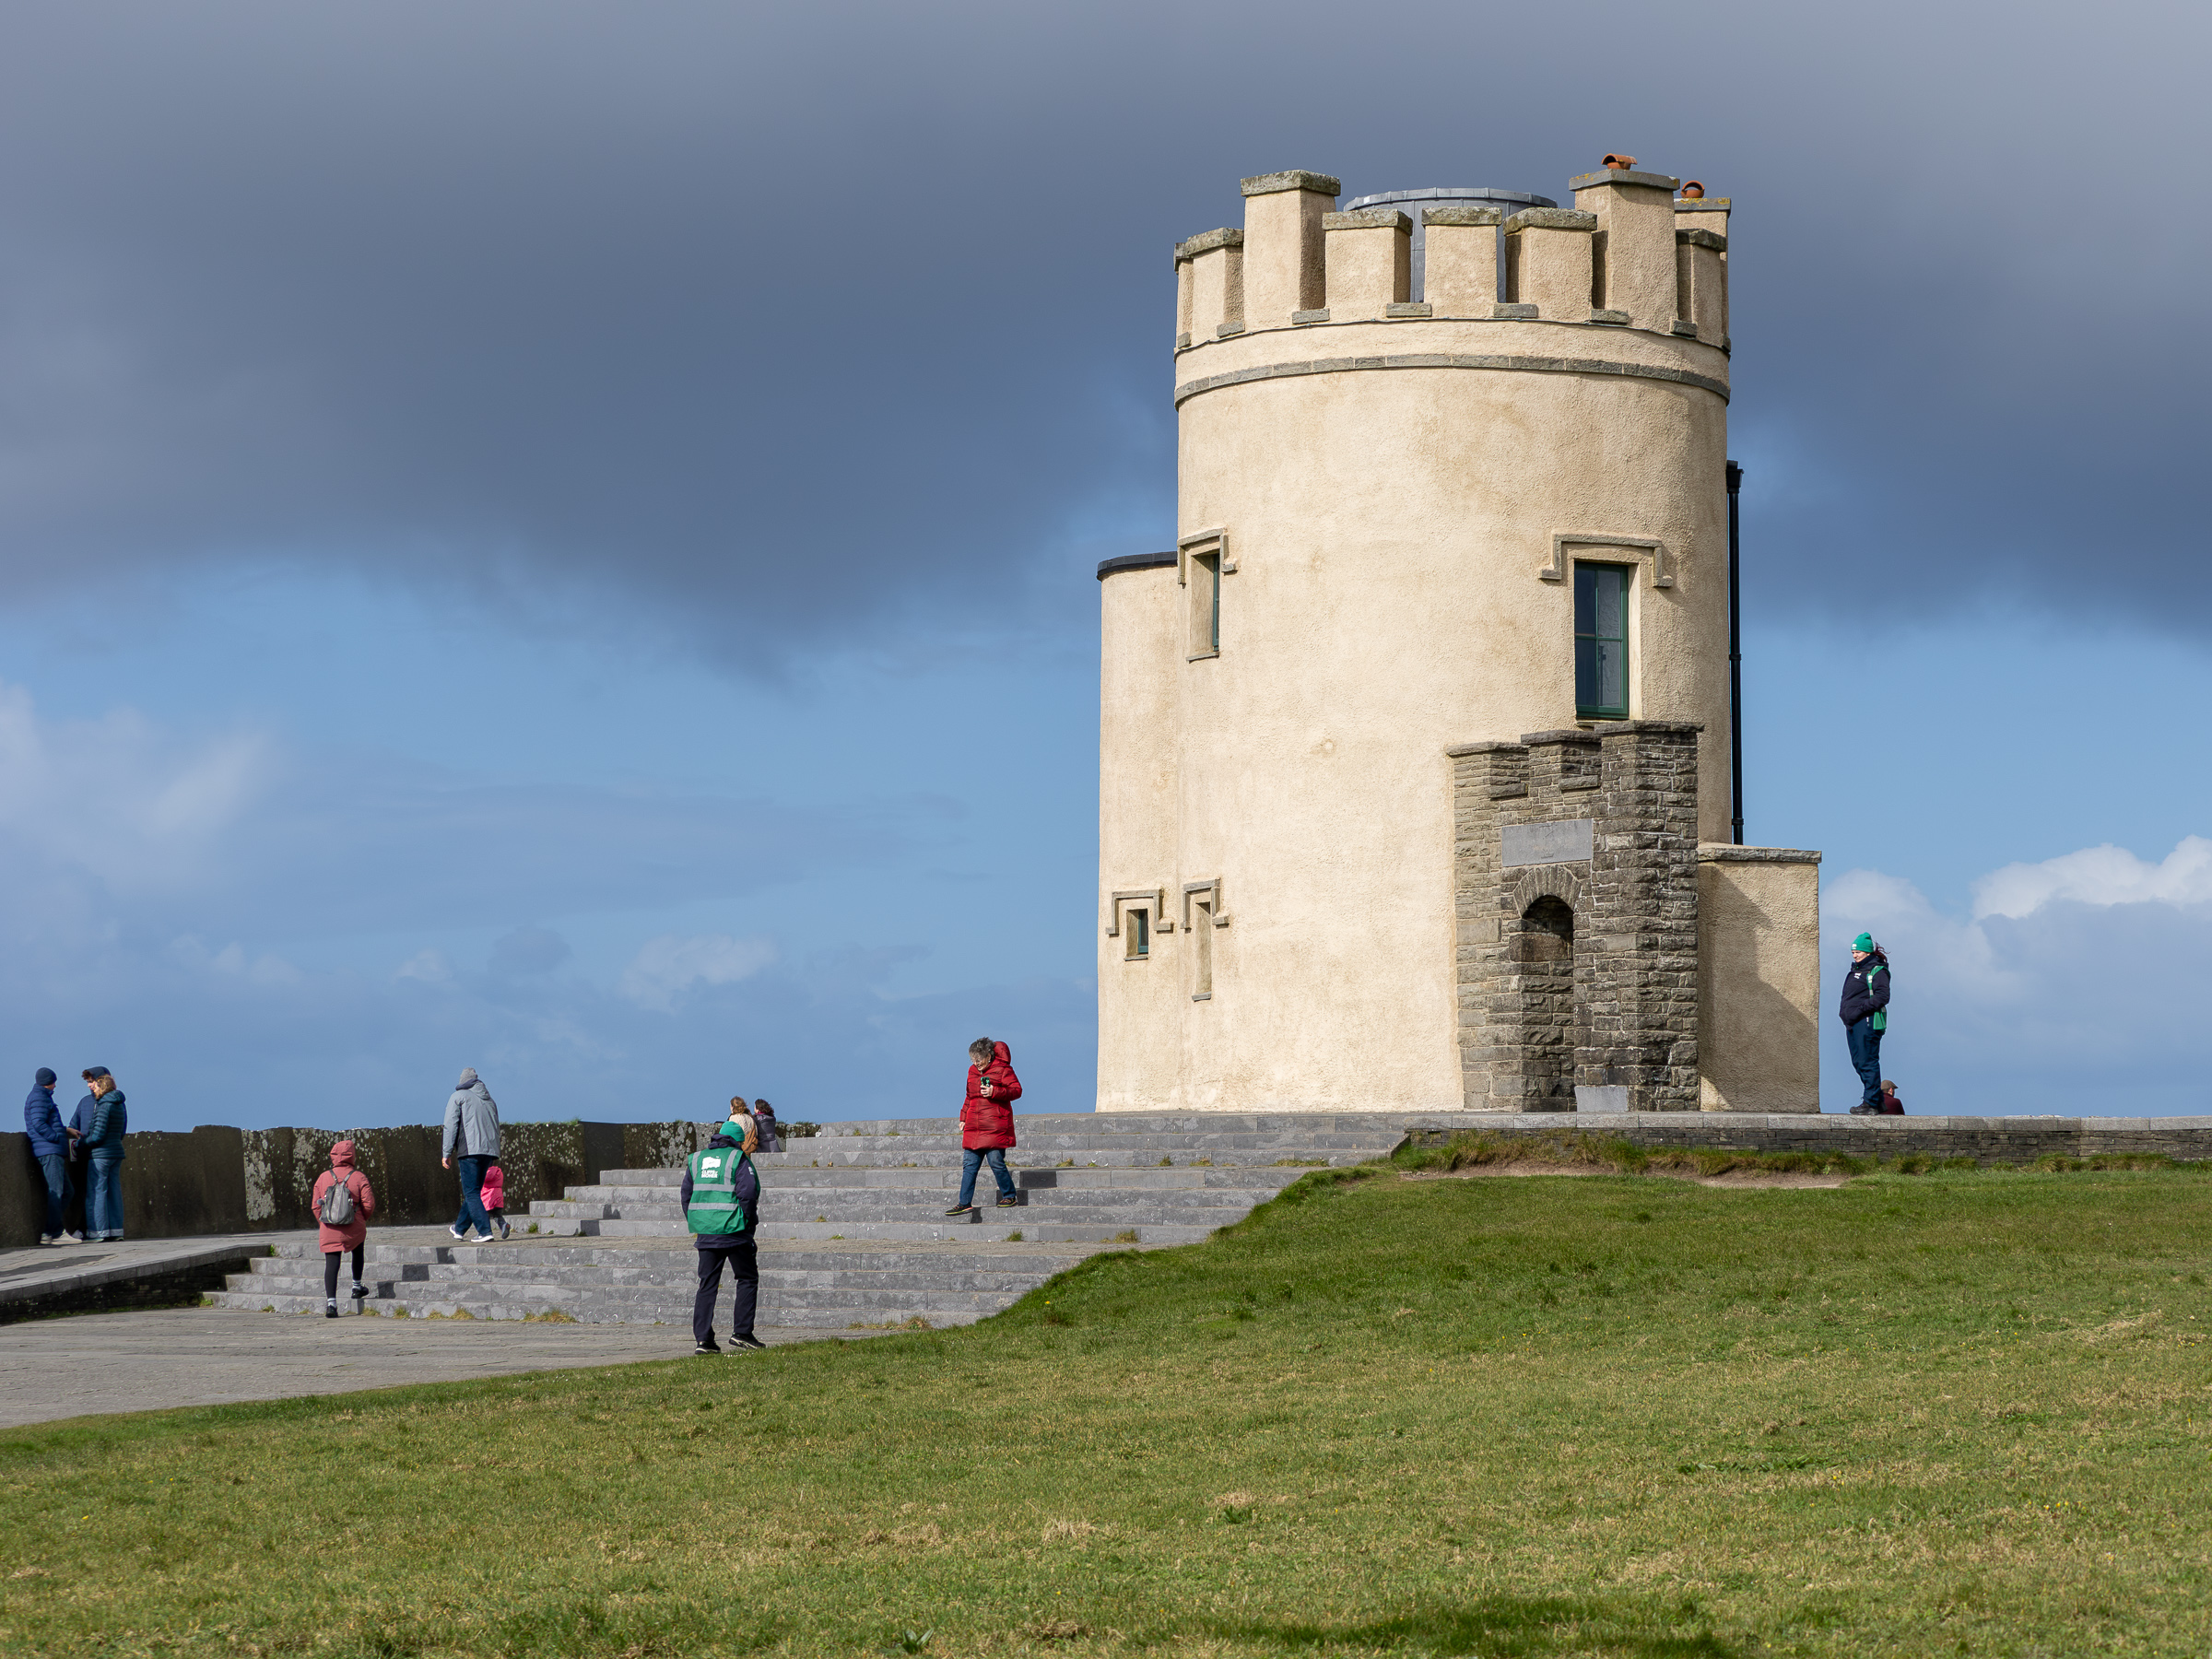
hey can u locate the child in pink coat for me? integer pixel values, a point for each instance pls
(495, 1197)
(338, 1236)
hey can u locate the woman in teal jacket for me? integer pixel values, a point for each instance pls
(102, 1150)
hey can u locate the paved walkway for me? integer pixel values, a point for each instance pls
(105, 1362)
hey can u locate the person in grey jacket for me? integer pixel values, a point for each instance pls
(472, 1139)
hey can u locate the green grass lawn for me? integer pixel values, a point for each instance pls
(1947, 1413)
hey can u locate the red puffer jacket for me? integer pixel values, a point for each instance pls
(989, 1121)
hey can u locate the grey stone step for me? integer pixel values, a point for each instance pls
(882, 1252)
(966, 1252)
(944, 1178)
(677, 1316)
(921, 1299)
(890, 1204)
(1112, 1158)
(1147, 1124)
(676, 1278)
(1196, 1144)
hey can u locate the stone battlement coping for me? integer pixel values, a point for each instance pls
(1563, 734)
(1641, 180)
(1701, 238)
(1549, 218)
(1723, 853)
(1269, 183)
(1463, 215)
(1229, 236)
(1368, 218)
(1701, 204)
(1607, 728)
(1457, 749)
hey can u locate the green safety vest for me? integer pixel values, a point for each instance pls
(714, 1207)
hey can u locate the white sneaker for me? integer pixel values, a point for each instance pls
(458, 1234)
(49, 1238)
(481, 1239)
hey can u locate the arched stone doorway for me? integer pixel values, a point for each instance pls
(1543, 955)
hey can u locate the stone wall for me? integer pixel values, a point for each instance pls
(1759, 978)
(1990, 1140)
(218, 1180)
(1585, 840)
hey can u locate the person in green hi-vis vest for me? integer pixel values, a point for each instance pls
(1865, 1015)
(722, 1206)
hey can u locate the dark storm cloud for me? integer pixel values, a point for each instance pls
(771, 325)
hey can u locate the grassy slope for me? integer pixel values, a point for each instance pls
(1955, 1413)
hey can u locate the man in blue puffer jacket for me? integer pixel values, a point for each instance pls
(50, 1146)
(102, 1147)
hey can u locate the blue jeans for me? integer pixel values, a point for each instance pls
(471, 1194)
(973, 1158)
(103, 1197)
(55, 1167)
(1866, 1058)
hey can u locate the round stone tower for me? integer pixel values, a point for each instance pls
(1489, 509)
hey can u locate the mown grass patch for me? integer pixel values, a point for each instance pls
(1959, 1413)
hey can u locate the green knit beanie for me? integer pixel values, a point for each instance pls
(1864, 942)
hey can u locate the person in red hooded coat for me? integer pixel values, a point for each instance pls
(987, 1122)
(338, 1237)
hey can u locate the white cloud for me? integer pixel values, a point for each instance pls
(667, 967)
(430, 967)
(2106, 875)
(136, 807)
(2074, 986)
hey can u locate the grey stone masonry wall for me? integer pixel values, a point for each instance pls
(219, 1180)
(1601, 825)
(1990, 1140)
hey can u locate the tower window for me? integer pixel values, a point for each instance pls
(1137, 926)
(1601, 641)
(1205, 605)
(1202, 936)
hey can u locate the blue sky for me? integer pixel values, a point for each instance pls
(561, 540)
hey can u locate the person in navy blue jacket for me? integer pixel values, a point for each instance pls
(50, 1146)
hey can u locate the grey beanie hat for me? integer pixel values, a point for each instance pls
(468, 1075)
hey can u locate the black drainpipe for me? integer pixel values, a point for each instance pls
(1736, 660)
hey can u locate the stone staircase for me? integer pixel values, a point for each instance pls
(852, 1230)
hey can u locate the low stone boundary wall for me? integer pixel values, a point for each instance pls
(1990, 1140)
(177, 1278)
(216, 1180)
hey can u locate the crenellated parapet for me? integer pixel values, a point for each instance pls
(1633, 280)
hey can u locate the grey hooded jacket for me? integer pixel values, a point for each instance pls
(472, 1124)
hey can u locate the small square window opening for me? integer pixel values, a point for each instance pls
(1136, 929)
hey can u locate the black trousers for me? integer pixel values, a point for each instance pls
(330, 1270)
(744, 1273)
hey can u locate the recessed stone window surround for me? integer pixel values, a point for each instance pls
(1154, 899)
(1567, 546)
